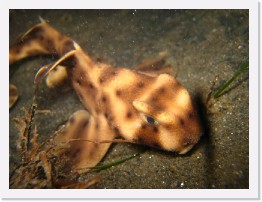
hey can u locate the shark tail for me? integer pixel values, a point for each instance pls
(42, 39)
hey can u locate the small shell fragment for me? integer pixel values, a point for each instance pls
(13, 95)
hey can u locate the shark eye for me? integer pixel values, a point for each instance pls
(150, 120)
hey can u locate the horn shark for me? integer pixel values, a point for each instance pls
(139, 106)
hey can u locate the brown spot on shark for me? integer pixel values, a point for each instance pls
(129, 115)
(140, 84)
(118, 93)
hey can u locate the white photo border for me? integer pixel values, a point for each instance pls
(254, 175)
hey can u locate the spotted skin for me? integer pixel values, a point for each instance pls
(119, 101)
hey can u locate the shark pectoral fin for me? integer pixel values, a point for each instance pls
(155, 66)
(43, 72)
(84, 145)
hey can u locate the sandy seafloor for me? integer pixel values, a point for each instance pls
(200, 44)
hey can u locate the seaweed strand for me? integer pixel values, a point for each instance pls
(113, 163)
(243, 67)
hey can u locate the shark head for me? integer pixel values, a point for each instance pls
(159, 114)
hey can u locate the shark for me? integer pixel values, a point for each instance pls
(140, 105)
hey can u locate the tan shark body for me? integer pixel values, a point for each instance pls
(140, 107)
